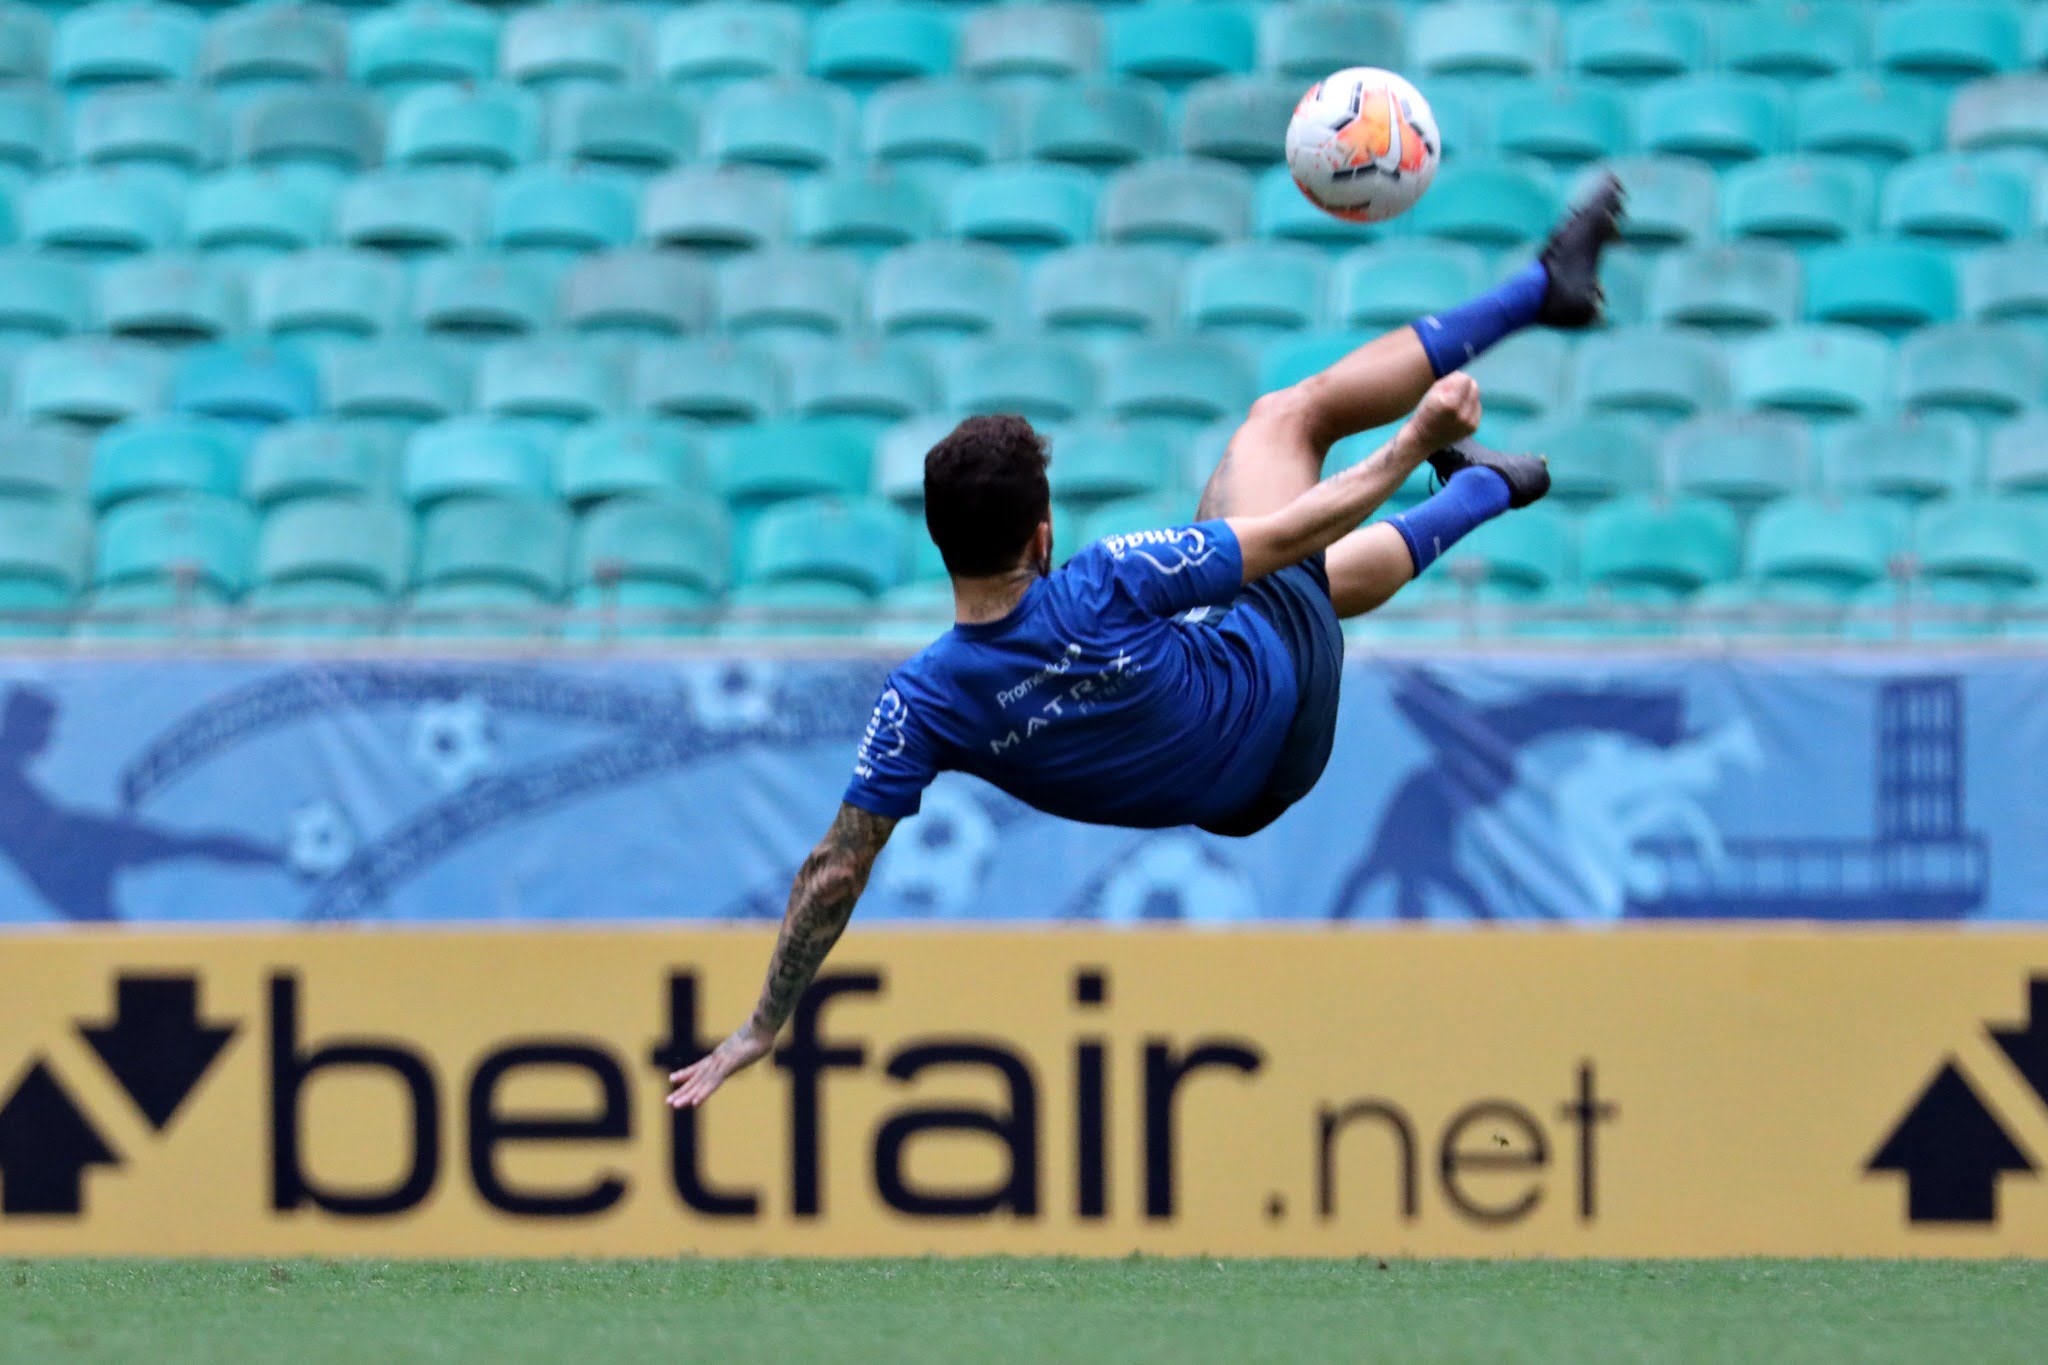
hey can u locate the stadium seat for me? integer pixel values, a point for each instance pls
(1104, 296)
(147, 456)
(637, 294)
(43, 463)
(1041, 379)
(1482, 38)
(709, 382)
(1464, 108)
(24, 44)
(89, 381)
(664, 535)
(1383, 287)
(1241, 119)
(1908, 459)
(396, 383)
(899, 458)
(250, 384)
(1564, 124)
(633, 130)
(517, 542)
(160, 127)
(319, 459)
(1289, 360)
(1888, 287)
(800, 608)
(43, 543)
(328, 294)
(1185, 205)
(1722, 120)
(321, 127)
(1595, 456)
(1946, 42)
(1096, 460)
(557, 381)
(1799, 201)
(1672, 201)
(1819, 372)
(1742, 459)
(1793, 42)
(487, 610)
(2000, 114)
(1996, 542)
(1659, 547)
(42, 298)
(750, 124)
(1032, 42)
(1118, 518)
(99, 215)
(1281, 212)
(560, 212)
(789, 292)
(476, 456)
(360, 540)
(1989, 371)
(627, 457)
(170, 298)
(754, 466)
(481, 296)
(398, 49)
(1525, 376)
(2007, 284)
(715, 210)
(1176, 45)
(640, 608)
(865, 44)
(253, 48)
(1929, 611)
(122, 42)
(855, 542)
(2017, 460)
(1097, 125)
(1254, 291)
(1173, 387)
(314, 609)
(704, 48)
(935, 129)
(409, 213)
(1628, 43)
(1486, 203)
(1661, 374)
(1956, 200)
(552, 48)
(1028, 209)
(944, 290)
(1296, 40)
(1518, 557)
(873, 384)
(489, 128)
(1832, 547)
(1730, 290)
(32, 129)
(193, 537)
(1868, 118)
(250, 214)
(866, 211)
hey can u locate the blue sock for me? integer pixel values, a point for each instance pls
(1457, 336)
(1472, 496)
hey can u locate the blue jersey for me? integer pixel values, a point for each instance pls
(1122, 690)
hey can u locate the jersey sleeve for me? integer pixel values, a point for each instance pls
(894, 762)
(1165, 572)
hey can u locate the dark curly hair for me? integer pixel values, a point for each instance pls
(985, 493)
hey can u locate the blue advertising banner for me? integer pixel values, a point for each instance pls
(1463, 788)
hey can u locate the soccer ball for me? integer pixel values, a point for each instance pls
(1363, 145)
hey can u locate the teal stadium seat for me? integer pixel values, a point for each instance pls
(1595, 457)
(155, 611)
(1946, 42)
(520, 543)
(252, 383)
(1173, 387)
(634, 130)
(550, 49)
(899, 458)
(364, 541)
(314, 609)
(42, 298)
(869, 383)
(89, 381)
(668, 536)
(2017, 460)
(1866, 117)
(1184, 205)
(1251, 292)
(704, 48)
(1730, 290)
(1039, 378)
(475, 456)
(330, 128)
(1105, 296)
(397, 49)
(1662, 374)
(396, 383)
(414, 212)
(147, 456)
(937, 129)
(1659, 549)
(637, 294)
(1486, 203)
(831, 540)
(321, 458)
(1176, 44)
(250, 214)
(865, 44)
(1029, 210)
(249, 49)
(1379, 288)
(795, 608)
(1517, 558)
(482, 296)
(710, 381)
(554, 381)
(1741, 459)
(1929, 611)
(1988, 371)
(1722, 119)
(1280, 212)
(1240, 119)
(1464, 108)
(912, 615)
(1097, 460)
(1888, 287)
(32, 129)
(1286, 361)
(754, 466)
(1820, 372)
(99, 215)
(627, 457)
(1802, 41)
(480, 611)
(1097, 125)
(2007, 284)
(866, 210)
(328, 294)
(1956, 200)
(749, 124)
(1909, 458)
(1299, 40)
(1120, 518)
(1562, 123)
(193, 537)
(1629, 43)
(24, 44)
(715, 211)
(1799, 200)
(1524, 377)
(43, 463)
(1831, 547)
(1482, 38)
(489, 128)
(1032, 42)
(45, 557)
(1672, 201)
(124, 42)
(176, 129)
(2003, 113)
(944, 291)
(171, 298)
(790, 294)
(1993, 542)
(561, 212)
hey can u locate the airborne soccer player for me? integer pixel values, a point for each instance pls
(1184, 676)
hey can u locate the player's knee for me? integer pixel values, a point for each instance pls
(1297, 413)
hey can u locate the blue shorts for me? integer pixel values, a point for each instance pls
(1296, 600)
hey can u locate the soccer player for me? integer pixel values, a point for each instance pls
(1185, 676)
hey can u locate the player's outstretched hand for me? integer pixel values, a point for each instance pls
(1448, 413)
(695, 1082)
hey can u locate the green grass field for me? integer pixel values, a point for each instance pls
(309, 1312)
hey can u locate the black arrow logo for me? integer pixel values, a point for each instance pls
(1951, 1149)
(45, 1145)
(2027, 1048)
(155, 1045)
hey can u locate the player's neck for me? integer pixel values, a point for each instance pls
(991, 598)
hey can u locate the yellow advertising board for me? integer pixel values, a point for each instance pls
(1650, 1093)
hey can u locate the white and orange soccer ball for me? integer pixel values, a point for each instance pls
(1363, 145)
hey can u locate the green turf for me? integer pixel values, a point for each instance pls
(963, 1312)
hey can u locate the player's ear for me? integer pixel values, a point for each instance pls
(1041, 547)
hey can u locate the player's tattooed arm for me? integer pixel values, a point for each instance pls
(821, 901)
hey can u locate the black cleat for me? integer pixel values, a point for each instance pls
(1572, 258)
(1527, 476)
